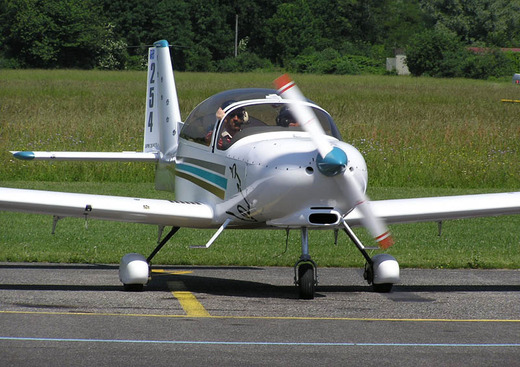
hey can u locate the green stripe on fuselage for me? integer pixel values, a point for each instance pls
(205, 185)
(207, 175)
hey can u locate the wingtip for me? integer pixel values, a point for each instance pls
(161, 43)
(25, 156)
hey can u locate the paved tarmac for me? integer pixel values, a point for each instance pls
(60, 314)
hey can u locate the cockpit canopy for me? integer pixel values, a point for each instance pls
(254, 111)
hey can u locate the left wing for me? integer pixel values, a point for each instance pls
(115, 208)
(441, 208)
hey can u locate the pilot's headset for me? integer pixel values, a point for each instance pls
(285, 117)
(241, 112)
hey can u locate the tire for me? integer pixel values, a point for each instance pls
(306, 281)
(133, 287)
(382, 288)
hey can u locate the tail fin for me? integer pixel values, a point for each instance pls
(162, 107)
(163, 117)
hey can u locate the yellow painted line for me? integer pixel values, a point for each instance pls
(188, 301)
(190, 304)
(511, 100)
(296, 318)
(173, 272)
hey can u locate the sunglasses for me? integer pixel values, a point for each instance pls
(239, 114)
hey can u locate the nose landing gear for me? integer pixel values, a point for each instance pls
(305, 270)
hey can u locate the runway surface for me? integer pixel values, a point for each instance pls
(60, 314)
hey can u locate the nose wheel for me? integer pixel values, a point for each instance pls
(305, 270)
(306, 278)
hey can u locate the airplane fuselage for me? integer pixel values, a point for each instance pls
(264, 180)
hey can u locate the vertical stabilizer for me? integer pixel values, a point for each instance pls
(162, 106)
(163, 117)
(151, 132)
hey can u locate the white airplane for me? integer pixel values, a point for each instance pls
(249, 158)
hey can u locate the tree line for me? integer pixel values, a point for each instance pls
(319, 36)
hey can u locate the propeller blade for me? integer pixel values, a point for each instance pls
(304, 115)
(333, 160)
(358, 199)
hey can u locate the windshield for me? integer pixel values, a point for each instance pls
(239, 113)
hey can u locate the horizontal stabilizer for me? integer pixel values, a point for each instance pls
(87, 156)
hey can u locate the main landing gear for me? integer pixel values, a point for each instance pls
(381, 270)
(134, 269)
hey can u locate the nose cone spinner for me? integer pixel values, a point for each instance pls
(334, 163)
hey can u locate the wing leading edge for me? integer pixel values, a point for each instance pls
(115, 208)
(441, 208)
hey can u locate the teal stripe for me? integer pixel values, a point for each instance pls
(218, 168)
(208, 176)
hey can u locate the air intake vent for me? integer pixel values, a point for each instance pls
(323, 218)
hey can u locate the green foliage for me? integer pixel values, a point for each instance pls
(291, 29)
(115, 34)
(431, 53)
(489, 22)
(244, 62)
(53, 33)
(514, 60)
(112, 54)
(198, 58)
(330, 61)
(440, 54)
(489, 64)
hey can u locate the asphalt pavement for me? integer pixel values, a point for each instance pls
(61, 314)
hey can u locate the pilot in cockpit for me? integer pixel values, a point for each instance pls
(231, 125)
(285, 118)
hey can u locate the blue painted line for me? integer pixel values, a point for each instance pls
(208, 176)
(245, 343)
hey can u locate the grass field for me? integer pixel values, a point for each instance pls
(420, 137)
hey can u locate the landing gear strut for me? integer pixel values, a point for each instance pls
(134, 269)
(305, 270)
(381, 270)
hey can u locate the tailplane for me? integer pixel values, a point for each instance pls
(162, 125)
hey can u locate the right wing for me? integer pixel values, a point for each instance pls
(105, 207)
(440, 208)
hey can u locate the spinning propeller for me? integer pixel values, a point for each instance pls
(332, 161)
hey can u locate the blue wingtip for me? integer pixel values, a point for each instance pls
(26, 156)
(161, 43)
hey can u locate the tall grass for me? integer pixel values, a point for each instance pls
(412, 131)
